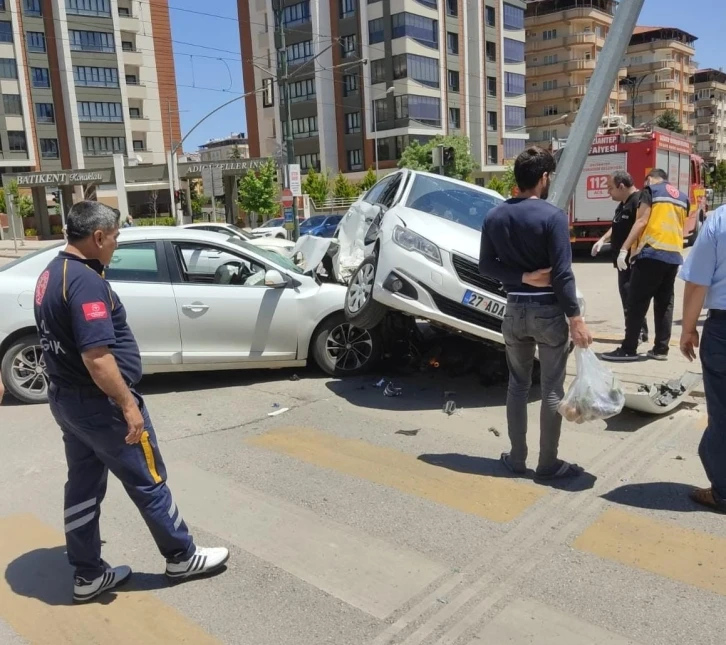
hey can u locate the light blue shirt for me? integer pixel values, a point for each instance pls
(706, 264)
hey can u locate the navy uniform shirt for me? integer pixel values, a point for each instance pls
(625, 215)
(76, 310)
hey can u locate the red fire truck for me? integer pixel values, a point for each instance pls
(638, 152)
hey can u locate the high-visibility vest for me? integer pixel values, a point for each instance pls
(664, 231)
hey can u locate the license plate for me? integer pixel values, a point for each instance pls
(488, 306)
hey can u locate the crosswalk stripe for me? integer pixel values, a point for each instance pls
(689, 556)
(493, 498)
(363, 571)
(36, 592)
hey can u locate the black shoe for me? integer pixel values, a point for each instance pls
(620, 356)
(657, 357)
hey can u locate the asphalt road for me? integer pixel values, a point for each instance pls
(357, 519)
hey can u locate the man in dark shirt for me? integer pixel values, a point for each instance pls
(622, 189)
(525, 244)
(94, 364)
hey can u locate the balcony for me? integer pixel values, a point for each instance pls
(136, 91)
(569, 91)
(566, 15)
(638, 69)
(562, 66)
(129, 23)
(566, 40)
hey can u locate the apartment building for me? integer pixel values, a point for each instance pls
(660, 63)
(709, 86)
(563, 42)
(82, 80)
(370, 77)
(234, 146)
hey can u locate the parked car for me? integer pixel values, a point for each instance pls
(414, 238)
(276, 244)
(320, 225)
(196, 301)
(273, 228)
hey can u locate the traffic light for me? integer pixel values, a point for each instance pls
(449, 155)
(177, 196)
(183, 199)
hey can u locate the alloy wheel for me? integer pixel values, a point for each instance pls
(348, 347)
(28, 371)
(360, 289)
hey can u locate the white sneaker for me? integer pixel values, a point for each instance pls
(203, 561)
(85, 590)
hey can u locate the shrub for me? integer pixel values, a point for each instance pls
(31, 232)
(160, 221)
(56, 230)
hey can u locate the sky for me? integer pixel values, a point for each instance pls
(209, 63)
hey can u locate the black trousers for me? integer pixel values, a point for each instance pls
(650, 280)
(624, 278)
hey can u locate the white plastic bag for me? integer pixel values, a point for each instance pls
(594, 394)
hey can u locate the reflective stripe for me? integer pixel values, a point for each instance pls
(149, 455)
(79, 507)
(670, 200)
(172, 509)
(65, 270)
(178, 521)
(81, 521)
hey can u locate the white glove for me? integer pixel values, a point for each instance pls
(597, 248)
(623, 260)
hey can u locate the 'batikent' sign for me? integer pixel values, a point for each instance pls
(58, 178)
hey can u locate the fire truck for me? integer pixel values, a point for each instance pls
(638, 151)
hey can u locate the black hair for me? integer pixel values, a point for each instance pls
(657, 173)
(87, 217)
(622, 178)
(531, 165)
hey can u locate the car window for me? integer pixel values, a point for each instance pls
(315, 220)
(451, 201)
(274, 257)
(389, 194)
(207, 264)
(134, 263)
(278, 221)
(373, 196)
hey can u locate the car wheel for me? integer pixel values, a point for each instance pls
(340, 349)
(280, 236)
(360, 308)
(23, 371)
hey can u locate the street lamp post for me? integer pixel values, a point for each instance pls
(388, 91)
(635, 82)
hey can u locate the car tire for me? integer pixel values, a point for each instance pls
(361, 309)
(341, 349)
(280, 236)
(25, 351)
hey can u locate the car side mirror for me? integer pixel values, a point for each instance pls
(275, 279)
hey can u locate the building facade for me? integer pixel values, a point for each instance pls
(709, 86)
(370, 77)
(660, 63)
(563, 41)
(82, 80)
(235, 146)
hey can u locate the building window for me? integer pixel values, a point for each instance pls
(6, 31)
(453, 81)
(513, 84)
(88, 7)
(347, 8)
(352, 122)
(452, 43)
(355, 159)
(126, 12)
(551, 110)
(139, 145)
(378, 69)
(309, 161)
(549, 34)
(268, 92)
(128, 46)
(40, 77)
(491, 17)
(549, 85)
(33, 7)
(95, 76)
(91, 41)
(103, 146)
(302, 90)
(132, 79)
(493, 155)
(424, 109)
(17, 141)
(514, 118)
(452, 7)
(423, 69)
(421, 29)
(381, 113)
(375, 31)
(513, 17)
(551, 59)
(299, 52)
(513, 51)
(303, 128)
(296, 14)
(12, 104)
(454, 118)
(491, 50)
(48, 148)
(8, 68)
(492, 121)
(100, 111)
(2, 5)
(513, 147)
(36, 41)
(491, 85)
(349, 46)
(350, 84)
(135, 112)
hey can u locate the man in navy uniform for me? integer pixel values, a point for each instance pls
(94, 364)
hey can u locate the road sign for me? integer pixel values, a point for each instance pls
(289, 217)
(287, 198)
(295, 179)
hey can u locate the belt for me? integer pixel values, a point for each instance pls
(85, 390)
(717, 314)
(535, 298)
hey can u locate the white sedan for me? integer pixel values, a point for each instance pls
(196, 301)
(284, 247)
(271, 228)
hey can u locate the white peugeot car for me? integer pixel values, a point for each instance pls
(196, 301)
(415, 238)
(271, 228)
(283, 247)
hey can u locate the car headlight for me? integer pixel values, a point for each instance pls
(411, 241)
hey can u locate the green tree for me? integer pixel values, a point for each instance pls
(199, 201)
(510, 183)
(497, 184)
(317, 185)
(669, 121)
(369, 180)
(258, 191)
(418, 157)
(718, 179)
(3, 206)
(343, 188)
(25, 206)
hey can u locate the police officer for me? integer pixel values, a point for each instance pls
(94, 364)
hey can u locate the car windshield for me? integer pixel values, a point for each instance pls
(278, 221)
(454, 202)
(272, 256)
(316, 220)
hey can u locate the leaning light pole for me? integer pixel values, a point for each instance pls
(593, 106)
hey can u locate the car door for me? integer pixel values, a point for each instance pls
(139, 275)
(384, 200)
(224, 322)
